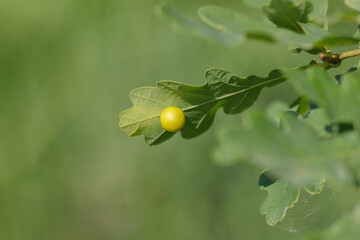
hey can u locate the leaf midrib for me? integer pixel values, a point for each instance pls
(235, 93)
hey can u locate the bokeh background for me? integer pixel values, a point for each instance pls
(66, 169)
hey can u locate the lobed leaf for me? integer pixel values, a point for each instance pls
(222, 89)
(286, 14)
(318, 13)
(281, 197)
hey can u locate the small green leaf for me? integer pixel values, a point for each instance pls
(302, 104)
(222, 89)
(285, 14)
(317, 15)
(281, 197)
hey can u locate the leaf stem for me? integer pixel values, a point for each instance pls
(334, 59)
(349, 54)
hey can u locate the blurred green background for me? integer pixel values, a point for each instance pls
(66, 169)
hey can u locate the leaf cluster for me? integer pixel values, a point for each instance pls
(299, 144)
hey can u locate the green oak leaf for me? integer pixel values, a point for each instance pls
(354, 4)
(284, 13)
(318, 13)
(222, 89)
(281, 197)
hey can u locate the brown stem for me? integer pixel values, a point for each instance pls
(336, 58)
(349, 54)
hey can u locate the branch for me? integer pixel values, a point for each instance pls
(349, 54)
(334, 59)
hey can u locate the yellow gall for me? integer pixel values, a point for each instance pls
(172, 119)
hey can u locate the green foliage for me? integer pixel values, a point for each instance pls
(307, 148)
(340, 103)
(233, 28)
(303, 155)
(313, 139)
